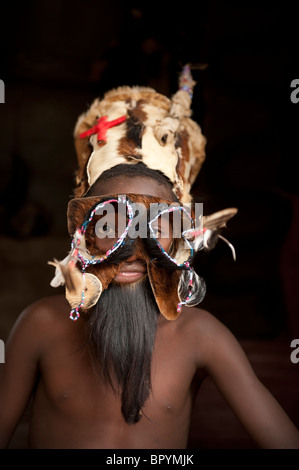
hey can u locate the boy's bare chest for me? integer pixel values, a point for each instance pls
(70, 383)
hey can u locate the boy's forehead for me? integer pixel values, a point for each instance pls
(134, 185)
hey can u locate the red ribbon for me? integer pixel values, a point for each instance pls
(101, 128)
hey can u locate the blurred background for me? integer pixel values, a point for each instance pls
(57, 56)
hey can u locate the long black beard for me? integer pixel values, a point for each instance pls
(122, 328)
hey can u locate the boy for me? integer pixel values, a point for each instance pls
(125, 373)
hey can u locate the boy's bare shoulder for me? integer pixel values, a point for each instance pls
(213, 342)
(201, 321)
(48, 313)
(204, 330)
(52, 306)
(38, 327)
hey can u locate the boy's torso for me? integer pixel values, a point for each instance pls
(73, 409)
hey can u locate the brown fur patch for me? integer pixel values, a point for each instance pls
(130, 144)
(165, 288)
(77, 210)
(138, 93)
(127, 148)
(138, 112)
(106, 273)
(182, 144)
(135, 129)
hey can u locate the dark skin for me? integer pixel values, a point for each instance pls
(46, 358)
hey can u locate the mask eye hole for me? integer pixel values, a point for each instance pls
(167, 229)
(107, 226)
(161, 230)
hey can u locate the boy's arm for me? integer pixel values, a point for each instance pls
(18, 374)
(255, 407)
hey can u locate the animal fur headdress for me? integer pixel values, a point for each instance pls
(131, 125)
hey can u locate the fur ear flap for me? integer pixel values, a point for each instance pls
(77, 210)
(164, 285)
(106, 273)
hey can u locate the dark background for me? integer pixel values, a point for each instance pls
(57, 56)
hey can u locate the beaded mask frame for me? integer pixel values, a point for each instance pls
(92, 264)
(90, 268)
